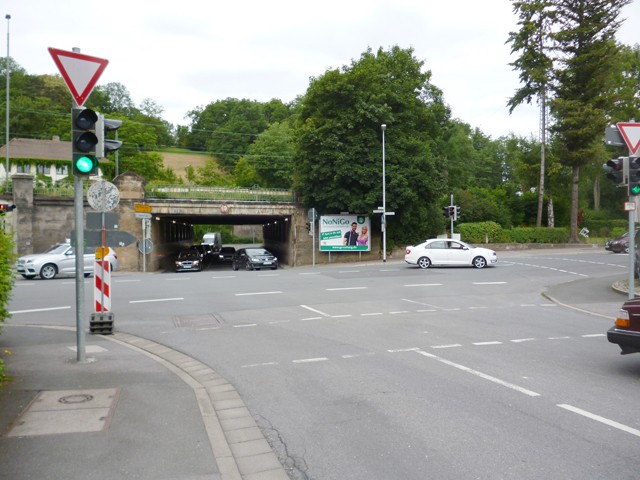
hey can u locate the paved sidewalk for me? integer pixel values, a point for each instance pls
(135, 409)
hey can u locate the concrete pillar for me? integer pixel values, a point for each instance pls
(22, 186)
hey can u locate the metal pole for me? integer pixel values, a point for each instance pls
(8, 73)
(384, 200)
(79, 249)
(451, 216)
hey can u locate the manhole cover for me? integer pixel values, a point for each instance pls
(84, 397)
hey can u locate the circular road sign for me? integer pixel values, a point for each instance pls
(103, 196)
(145, 246)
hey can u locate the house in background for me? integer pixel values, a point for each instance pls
(46, 157)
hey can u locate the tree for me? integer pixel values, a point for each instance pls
(338, 159)
(271, 156)
(587, 52)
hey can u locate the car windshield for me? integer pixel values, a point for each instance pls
(257, 251)
(188, 254)
(60, 248)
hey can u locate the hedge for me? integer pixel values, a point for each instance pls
(492, 232)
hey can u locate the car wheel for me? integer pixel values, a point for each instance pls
(424, 262)
(626, 248)
(248, 266)
(234, 267)
(28, 277)
(479, 262)
(48, 271)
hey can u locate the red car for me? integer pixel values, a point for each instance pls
(626, 330)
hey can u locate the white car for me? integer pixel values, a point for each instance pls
(443, 251)
(60, 260)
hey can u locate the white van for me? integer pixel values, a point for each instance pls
(214, 239)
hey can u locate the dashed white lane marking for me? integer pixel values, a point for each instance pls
(341, 316)
(600, 419)
(371, 314)
(265, 364)
(344, 288)
(315, 311)
(452, 345)
(592, 335)
(33, 310)
(481, 344)
(308, 319)
(558, 338)
(257, 293)
(311, 360)
(243, 325)
(479, 374)
(424, 285)
(489, 283)
(179, 279)
(157, 300)
(520, 340)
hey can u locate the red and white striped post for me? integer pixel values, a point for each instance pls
(102, 290)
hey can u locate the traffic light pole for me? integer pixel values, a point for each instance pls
(78, 191)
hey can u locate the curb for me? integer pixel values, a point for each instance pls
(238, 445)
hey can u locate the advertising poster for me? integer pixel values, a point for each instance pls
(345, 233)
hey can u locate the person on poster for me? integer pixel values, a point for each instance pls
(351, 237)
(363, 238)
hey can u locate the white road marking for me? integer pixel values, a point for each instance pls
(256, 293)
(452, 345)
(600, 419)
(341, 316)
(520, 340)
(400, 350)
(558, 338)
(479, 374)
(591, 335)
(345, 288)
(423, 285)
(311, 360)
(251, 365)
(34, 310)
(358, 355)
(157, 300)
(370, 314)
(126, 281)
(178, 279)
(398, 312)
(480, 344)
(245, 325)
(489, 283)
(309, 318)
(224, 276)
(315, 311)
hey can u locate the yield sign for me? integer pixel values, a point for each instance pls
(631, 134)
(80, 72)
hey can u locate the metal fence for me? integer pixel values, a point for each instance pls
(188, 192)
(220, 193)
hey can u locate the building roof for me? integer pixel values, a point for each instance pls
(29, 148)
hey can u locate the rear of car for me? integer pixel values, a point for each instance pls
(626, 329)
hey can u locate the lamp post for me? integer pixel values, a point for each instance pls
(384, 201)
(6, 137)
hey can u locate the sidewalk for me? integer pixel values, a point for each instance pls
(135, 409)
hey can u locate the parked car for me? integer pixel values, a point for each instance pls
(619, 244)
(626, 329)
(60, 260)
(254, 258)
(189, 260)
(226, 254)
(439, 251)
(205, 251)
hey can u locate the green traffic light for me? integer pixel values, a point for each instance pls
(634, 189)
(84, 164)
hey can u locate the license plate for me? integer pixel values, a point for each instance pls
(267, 262)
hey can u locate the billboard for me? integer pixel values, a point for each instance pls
(345, 233)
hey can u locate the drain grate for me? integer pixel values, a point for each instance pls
(198, 321)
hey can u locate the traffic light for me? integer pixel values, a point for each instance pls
(6, 208)
(452, 212)
(634, 176)
(617, 170)
(106, 145)
(84, 141)
(456, 214)
(447, 211)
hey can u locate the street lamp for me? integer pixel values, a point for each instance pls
(384, 201)
(6, 137)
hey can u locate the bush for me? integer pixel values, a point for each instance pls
(481, 232)
(539, 235)
(491, 232)
(7, 277)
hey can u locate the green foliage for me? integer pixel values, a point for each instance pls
(481, 232)
(271, 156)
(338, 159)
(7, 274)
(539, 235)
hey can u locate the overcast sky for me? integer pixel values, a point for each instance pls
(188, 54)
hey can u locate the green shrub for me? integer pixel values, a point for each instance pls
(481, 232)
(539, 235)
(7, 277)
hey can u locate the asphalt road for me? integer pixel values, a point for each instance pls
(385, 371)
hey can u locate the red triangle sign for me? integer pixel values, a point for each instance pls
(630, 132)
(80, 72)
